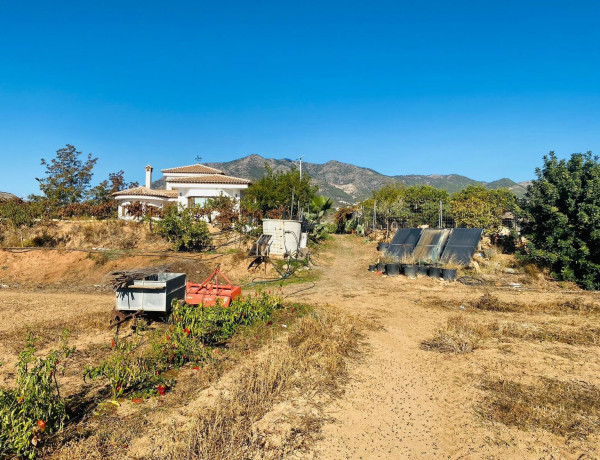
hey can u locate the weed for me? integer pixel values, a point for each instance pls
(569, 409)
(458, 336)
(583, 336)
(488, 302)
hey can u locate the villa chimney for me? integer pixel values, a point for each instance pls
(148, 176)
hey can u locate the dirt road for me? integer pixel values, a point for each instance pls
(403, 401)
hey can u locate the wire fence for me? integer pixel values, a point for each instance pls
(429, 214)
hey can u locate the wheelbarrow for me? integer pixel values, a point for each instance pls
(211, 291)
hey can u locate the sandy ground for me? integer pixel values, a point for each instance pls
(401, 401)
(405, 402)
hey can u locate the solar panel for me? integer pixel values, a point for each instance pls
(430, 245)
(404, 242)
(461, 245)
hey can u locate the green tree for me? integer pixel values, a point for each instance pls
(67, 177)
(274, 191)
(19, 214)
(478, 207)
(103, 192)
(563, 218)
(422, 205)
(386, 202)
(410, 206)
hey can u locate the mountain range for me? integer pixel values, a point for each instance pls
(348, 183)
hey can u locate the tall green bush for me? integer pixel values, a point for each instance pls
(563, 218)
(185, 229)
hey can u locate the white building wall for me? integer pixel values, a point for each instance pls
(125, 200)
(187, 191)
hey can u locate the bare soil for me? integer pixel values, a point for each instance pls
(406, 402)
(401, 400)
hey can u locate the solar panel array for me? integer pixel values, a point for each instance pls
(404, 242)
(436, 245)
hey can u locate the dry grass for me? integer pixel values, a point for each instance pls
(310, 364)
(458, 336)
(49, 331)
(582, 336)
(488, 302)
(113, 234)
(569, 409)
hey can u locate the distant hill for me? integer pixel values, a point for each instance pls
(348, 183)
(4, 196)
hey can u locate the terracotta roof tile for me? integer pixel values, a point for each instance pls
(197, 168)
(143, 191)
(212, 179)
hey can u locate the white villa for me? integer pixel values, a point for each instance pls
(186, 186)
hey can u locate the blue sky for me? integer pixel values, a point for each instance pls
(482, 89)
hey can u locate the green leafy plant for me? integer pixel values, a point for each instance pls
(563, 219)
(215, 324)
(186, 230)
(34, 408)
(127, 368)
(137, 364)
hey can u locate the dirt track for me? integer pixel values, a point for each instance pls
(405, 402)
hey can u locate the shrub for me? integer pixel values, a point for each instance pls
(184, 229)
(563, 219)
(34, 408)
(130, 367)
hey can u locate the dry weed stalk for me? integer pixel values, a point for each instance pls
(458, 336)
(569, 409)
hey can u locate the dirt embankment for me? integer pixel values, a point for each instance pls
(78, 256)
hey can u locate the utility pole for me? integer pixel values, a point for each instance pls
(300, 160)
(441, 211)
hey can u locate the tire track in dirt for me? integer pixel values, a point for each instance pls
(391, 408)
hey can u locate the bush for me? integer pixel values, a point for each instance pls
(184, 229)
(34, 408)
(563, 219)
(131, 367)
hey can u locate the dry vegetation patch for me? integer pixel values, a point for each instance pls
(582, 336)
(570, 409)
(459, 335)
(308, 366)
(261, 397)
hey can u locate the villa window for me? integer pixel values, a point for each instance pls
(197, 201)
